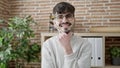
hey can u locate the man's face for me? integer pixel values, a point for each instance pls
(64, 22)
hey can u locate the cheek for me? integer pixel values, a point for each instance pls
(71, 20)
(72, 23)
(56, 24)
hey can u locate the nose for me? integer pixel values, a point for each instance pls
(65, 20)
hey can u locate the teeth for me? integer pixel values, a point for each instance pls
(67, 31)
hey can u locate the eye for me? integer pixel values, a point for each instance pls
(69, 16)
(60, 16)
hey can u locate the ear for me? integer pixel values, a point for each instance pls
(51, 18)
(51, 22)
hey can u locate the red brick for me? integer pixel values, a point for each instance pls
(102, 10)
(92, 24)
(99, 7)
(81, 2)
(115, 7)
(93, 16)
(111, 16)
(95, 5)
(100, 1)
(111, 24)
(115, 0)
(111, 4)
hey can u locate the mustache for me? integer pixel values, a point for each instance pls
(66, 31)
(69, 24)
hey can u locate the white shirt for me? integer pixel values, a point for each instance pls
(53, 55)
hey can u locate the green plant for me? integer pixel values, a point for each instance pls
(15, 40)
(115, 52)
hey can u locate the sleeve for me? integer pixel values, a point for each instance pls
(82, 61)
(46, 59)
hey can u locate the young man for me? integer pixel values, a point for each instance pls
(65, 50)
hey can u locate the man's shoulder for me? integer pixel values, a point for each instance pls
(78, 38)
(51, 39)
(81, 40)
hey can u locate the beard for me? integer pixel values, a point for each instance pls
(66, 30)
(62, 29)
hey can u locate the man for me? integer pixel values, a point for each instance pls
(65, 50)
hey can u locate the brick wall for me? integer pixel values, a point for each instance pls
(110, 42)
(88, 13)
(4, 9)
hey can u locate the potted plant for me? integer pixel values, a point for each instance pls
(115, 54)
(15, 43)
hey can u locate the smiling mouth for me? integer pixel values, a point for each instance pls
(66, 30)
(64, 24)
(65, 27)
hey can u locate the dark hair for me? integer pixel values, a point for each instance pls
(63, 7)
